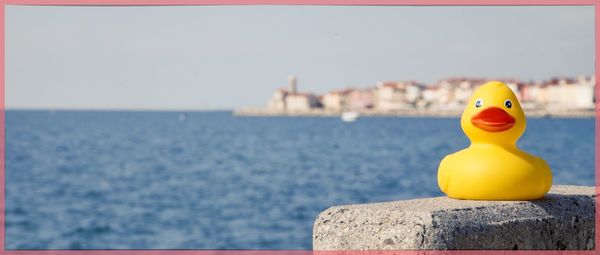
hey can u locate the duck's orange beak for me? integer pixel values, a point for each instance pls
(493, 119)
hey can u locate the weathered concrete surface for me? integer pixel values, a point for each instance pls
(563, 219)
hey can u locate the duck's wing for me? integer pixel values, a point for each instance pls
(444, 174)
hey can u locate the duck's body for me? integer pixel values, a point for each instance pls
(493, 168)
(491, 172)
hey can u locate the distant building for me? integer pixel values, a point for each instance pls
(290, 99)
(530, 94)
(447, 94)
(463, 91)
(277, 101)
(565, 93)
(301, 102)
(458, 91)
(391, 96)
(348, 99)
(293, 84)
(335, 100)
(413, 92)
(430, 93)
(360, 99)
(585, 97)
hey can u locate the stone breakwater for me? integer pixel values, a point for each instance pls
(407, 113)
(563, 219)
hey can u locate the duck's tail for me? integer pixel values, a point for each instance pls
(547, 174)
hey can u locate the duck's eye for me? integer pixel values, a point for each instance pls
(508, 104)
(479, 103)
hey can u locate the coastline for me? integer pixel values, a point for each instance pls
(262, 112)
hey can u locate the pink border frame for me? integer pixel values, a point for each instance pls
(3, 3)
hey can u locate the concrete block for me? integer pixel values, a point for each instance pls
(563, 219)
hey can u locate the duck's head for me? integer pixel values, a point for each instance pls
(493, 115)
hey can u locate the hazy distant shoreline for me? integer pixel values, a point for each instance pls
(258, 112)
(261, 112)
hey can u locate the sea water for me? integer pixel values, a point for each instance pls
(154, 180)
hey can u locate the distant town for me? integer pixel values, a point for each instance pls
(564, 96)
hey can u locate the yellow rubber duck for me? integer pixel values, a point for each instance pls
(492, 167)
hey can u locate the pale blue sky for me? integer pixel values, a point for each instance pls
(207, 57)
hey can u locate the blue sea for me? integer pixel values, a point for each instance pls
(149, 180)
